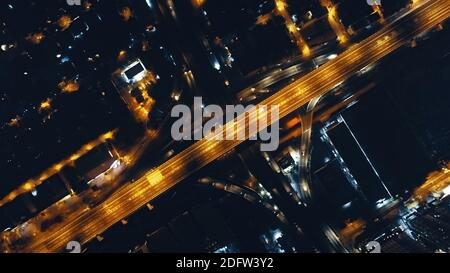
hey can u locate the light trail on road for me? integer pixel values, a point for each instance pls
(128, 199)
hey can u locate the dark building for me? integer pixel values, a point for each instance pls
(335, 183)
(355, 14)
(16, 212)
(359, 164)
(77, 181)
(421, 97)
(391, 7)
(431, 226)
(96, 161)
(162, 241)
(49, 192)
(202, 229)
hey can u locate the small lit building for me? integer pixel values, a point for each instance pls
(49, 192)
(96, 162)
(27, 205)
(134, 72)
(133, 82)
